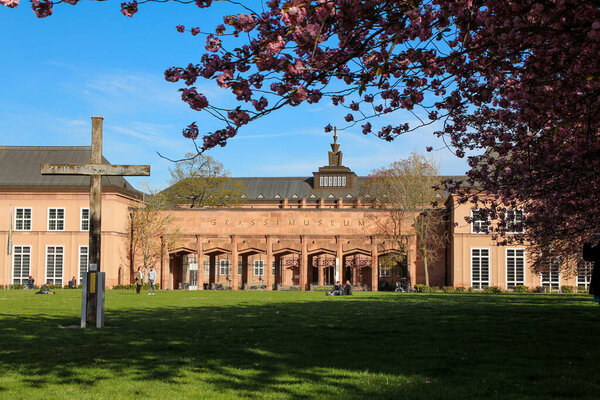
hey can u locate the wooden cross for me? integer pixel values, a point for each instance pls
(95, 170)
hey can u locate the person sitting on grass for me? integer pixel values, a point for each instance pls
(336, 291)
(347, 289)
(45, 289)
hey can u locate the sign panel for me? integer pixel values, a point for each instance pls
(95, 169)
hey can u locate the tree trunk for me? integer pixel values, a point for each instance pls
(425, 269)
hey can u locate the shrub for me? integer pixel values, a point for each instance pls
(520, 289)
(131, 286)
(567, 289)
(492, 289)
(539, 289)
(420, 288)
(15, 286)
(460, 289)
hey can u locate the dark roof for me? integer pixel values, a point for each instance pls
(20, 167)
(294, 188)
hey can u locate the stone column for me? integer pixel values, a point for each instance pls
(303, 263)
(269, 266)
(321, 270)
(340, 256)
(233, 268)
(411, 260)
(200, 256)
(374, 266)
(165, 267)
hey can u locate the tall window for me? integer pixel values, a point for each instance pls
(85, 219)
(584, 275)
(259, 267)
(224, 267)
(274, 273)
(480, 268)
(343, 181)
(385, 270)
(551, 276)
(54, 264)
(240, 266)
(83, 261)
(56, 219)
(321, 181)
(514, 221)
(515, 267)
(22, 219)
(21, 264)
(480, 221)
(206, 267)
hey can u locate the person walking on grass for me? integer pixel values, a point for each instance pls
(151, 280)
(592, 253)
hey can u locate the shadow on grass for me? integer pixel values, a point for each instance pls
(366, 346)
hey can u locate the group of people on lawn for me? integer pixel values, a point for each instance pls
(340, 290)
(139, 280)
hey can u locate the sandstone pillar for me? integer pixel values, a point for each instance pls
(200, 257)
(374, 266)
(269, 266)
(233, 268)
(321, 271)
(303, 263)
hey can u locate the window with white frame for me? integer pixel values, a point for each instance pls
(584, 275)
(480, 268)
(385, 270)
(240, 266)
(343, 181)
(274, 272)
(514, 221)
(480, 221)
(224, 270)
(22, 219)
(259, 267)
(56, 219)
(206, 267)
(321, 181)
(85, 219)
(335, 181)
(54, 264)
(83, 261)
(21, 264)
(330, 183)
(551, 276)
(515, 267)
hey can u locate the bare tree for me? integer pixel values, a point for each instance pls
(150, 228)
(201, 181)
(405, 192)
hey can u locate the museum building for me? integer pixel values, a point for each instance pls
(289, 233)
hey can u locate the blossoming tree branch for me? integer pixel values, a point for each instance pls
(515, 82)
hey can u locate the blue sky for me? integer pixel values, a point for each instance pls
(89, 60)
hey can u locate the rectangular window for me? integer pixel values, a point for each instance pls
(385, 270)
(21, 264)
(259, 267)
(480, 268)
(206, 267)
(321, 181)
(551, 276)
(515, 267)
(343, 181)
(330, 180)
(335, 181)
(239, 267)
(56, 219)
(480, 221)
(54, 264)
(85, 219)
(22, 219)
(224, 267)
(274, 273)
(584, 275)
(83, 261)
(514, 221)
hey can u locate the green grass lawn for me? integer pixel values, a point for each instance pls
(301, 345)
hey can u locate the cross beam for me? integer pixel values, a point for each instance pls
(95, 169)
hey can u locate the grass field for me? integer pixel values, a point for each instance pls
(301, 345)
